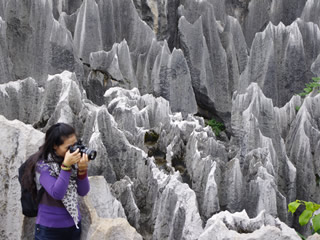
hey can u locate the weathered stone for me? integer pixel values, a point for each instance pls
(240, 48)
(310, 12)
(262, 153)
(20, 141)
(239, 226)
(113, 229)
(303, 142)
(123, 190)
(101, 198)
(102, 220)
(5, 61)
(172, 81)
(255, 15)
(198, 25)
(315, 67)
(162, 16)
(176, 214)
(62, 101)
(67, 7)
(207, 87)
(69, 21)
(204, 156)
(37, 44)
(120, 20)
(315, 236)
(110, 69)
(186, 173)
(21, 100)
(2, 7)
(87, 33)
(278, 61)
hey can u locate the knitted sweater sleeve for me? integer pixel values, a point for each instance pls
(55, 187)
(83, 185)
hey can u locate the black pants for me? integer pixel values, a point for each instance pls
(47, 233)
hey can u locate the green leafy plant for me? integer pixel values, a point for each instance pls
(216, 126)
(307, 214)
(310, 86)
(297, 108)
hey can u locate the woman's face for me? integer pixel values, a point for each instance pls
(63, 148)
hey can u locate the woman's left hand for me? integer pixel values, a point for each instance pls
(83, 164)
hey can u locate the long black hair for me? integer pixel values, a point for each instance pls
(55, 136)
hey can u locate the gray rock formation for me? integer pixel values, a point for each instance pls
(113, 229)
(215, 183)
(254, 16)
(176, 211)
(130, 75)
(303, 143)
(87, 34)
(110, 69)
(315, 67)
(204, 159)
(162, 16)
(207, 63)
(106, 205)
(21, 100)
(262, 152)
(19, 142)
(238, 226)
(62, 6)
(280, 60)
(123, 190)
(37, 44)
(310, 12)
(172, 81)
(98, 210)
(5, 62)
(315, 236)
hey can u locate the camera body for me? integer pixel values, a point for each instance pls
(83, 149)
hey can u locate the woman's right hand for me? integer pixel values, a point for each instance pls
(71, 158)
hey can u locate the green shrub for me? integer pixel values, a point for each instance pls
(310, 86)
(307, 214)
(216, 126)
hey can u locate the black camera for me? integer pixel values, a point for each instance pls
(83, 149)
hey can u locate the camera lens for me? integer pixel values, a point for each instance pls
(72, 149)
(91, 154)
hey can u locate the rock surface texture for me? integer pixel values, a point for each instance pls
(140, 80)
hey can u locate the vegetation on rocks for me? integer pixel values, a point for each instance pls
(310, 86)
(307, 214)
(217, 127)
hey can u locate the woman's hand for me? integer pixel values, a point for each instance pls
(83, 164)
(71, 158)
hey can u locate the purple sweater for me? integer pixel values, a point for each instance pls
(51, 211)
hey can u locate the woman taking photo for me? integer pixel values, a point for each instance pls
(63, 175)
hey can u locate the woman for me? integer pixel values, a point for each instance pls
(63, 175)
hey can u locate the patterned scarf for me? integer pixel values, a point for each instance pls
(70, 199)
